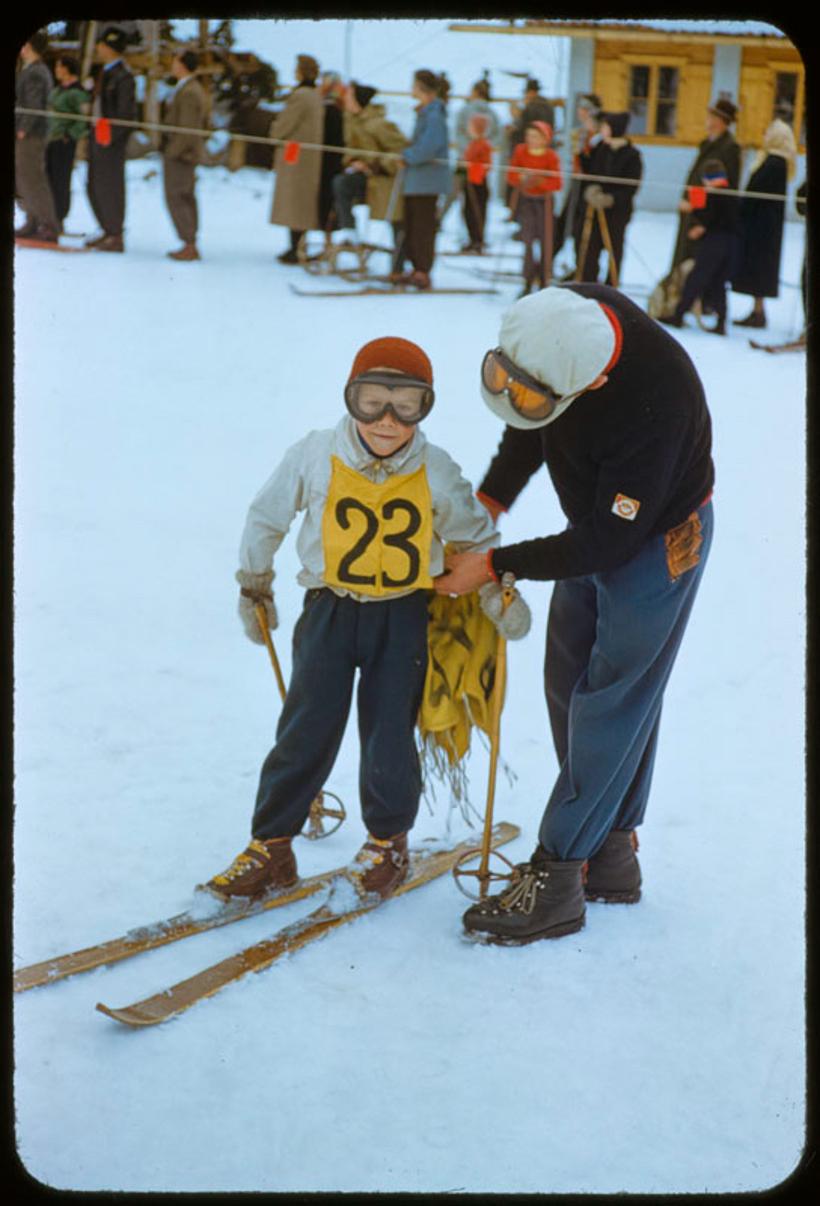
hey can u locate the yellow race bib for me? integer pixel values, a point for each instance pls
(377, 538)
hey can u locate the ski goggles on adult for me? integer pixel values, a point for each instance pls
(530, 398)
(372, 395)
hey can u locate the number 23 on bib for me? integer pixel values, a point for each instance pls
(377, 538)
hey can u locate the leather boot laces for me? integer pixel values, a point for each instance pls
(522, 893)
(244, 861)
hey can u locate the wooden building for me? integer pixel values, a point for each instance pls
(667, 73)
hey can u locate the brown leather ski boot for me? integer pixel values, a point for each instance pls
(544, 900)
(261, 867)
(381, 865)
(613, 872)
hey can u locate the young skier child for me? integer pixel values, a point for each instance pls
(379, 504)
(714, 226)
(533, 210)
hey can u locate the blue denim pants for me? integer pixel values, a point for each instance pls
(612, 639)
(386, 641)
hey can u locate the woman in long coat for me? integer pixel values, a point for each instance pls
(296, 192)
(426, 178)
(761, 222)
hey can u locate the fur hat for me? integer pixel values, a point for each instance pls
(363, 94)
(394, 353)
(562, 339)
(617, 122)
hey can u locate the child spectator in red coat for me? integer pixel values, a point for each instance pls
(533, 193)
(478, 155)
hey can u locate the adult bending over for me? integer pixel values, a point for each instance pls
(592, 387)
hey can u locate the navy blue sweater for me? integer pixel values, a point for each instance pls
(645, 435)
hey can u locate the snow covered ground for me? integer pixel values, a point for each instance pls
(660, 1050)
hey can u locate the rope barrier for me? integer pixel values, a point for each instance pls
(362, 153)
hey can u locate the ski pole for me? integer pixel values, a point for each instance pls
(583, 248)
(546, 244)
(496, 707)
(262, 620)
(607, 239)
(318, 808)
(483, 874)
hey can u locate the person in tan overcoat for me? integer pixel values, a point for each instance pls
(367, 128)
(296, 191)
(187, 108)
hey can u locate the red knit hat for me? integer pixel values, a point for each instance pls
(392, 352)
(544, 128)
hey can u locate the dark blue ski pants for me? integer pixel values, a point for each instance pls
(612, 639)
(386, 641)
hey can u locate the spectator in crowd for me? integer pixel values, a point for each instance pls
(584, 138)
(70, 99)
(114, 100)
(298, 170)
(33, 88)
(761, 222)
(719, 143)
(478, 158)
(535, 108)
(368, 180)
(800, 201)
(332, 93)
(427, 177)
(478, 102)
(619, 158)
(186, 108)
(532, 198)
(713, 230)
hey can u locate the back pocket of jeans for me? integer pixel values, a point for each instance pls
(683, 546)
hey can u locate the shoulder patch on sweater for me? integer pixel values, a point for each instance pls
(625, 507)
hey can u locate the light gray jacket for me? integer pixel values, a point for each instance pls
(301, 482)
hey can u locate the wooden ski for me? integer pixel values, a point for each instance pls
(383, 291)
(42, 245)
(167, 1004)
(160, 933)
(794, 345)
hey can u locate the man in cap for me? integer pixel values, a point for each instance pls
(719, 143)
(187, 110)
(32, 88)
(114, 100)
(591, 386)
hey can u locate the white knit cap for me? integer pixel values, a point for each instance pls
(559, 337)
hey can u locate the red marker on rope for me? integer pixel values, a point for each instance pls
(102, 132)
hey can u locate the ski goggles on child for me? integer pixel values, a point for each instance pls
(530, 398)
(372, 395)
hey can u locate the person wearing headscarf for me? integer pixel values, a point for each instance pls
(761, 221)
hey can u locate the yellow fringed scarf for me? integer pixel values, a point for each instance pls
(462, 652)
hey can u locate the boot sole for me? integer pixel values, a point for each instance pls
(614, 897)
(486, 938)
(251, 898)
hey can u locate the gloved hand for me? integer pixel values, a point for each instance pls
(595, 196)
(514, 623)
(256, 590)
